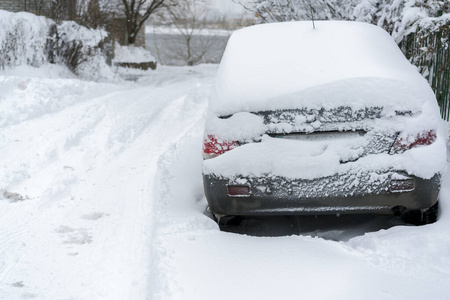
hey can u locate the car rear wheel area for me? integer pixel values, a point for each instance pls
(337, 227)
(419, 217)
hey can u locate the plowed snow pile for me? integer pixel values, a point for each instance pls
(101, 198)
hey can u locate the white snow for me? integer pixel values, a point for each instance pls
(70, 31)
(24, 39)
(102, 199)
(339, 64)
(285, 65)
(309, 159)
(317, 159)
(80, 233)
(131, 54)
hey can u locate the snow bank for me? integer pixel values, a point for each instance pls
(132, 54)
(33, 93)
(27, 39)
(285, 65)
(23, 39)
(70, 31)
(130, 224)
(79, 48)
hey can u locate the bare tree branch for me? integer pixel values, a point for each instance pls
(137, 12)
(190, 18)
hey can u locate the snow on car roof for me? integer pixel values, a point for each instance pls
(288, 65)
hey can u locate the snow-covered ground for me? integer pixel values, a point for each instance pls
(101, 198)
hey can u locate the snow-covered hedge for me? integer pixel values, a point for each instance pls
(424, 40)
(23, 39)
(398, 17)
(32, 40)
(299, 10)
(79, 48)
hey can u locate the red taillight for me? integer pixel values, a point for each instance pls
(404, 143)
(238, 190)
(213, 147)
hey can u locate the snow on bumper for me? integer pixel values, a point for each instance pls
(361, 193)
(295, 179)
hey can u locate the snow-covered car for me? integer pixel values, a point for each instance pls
(325, 120)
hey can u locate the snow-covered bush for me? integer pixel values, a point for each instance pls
(296, 10)
(23, 39)
(79, 48)
(399, 18)
(424, 39)
(26, 39)
(414, 26)
(427, 46)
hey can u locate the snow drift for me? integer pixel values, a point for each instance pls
(27, 39)
(282, 65)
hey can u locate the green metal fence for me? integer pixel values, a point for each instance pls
(429, 50)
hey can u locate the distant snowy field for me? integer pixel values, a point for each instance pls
(101, 198)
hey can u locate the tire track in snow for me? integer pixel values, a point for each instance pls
(154, 141)
(174, 187)
(112, 262)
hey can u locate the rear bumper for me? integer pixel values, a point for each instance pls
(344, 194)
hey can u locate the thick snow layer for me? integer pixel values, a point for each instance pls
(310, 159)
(102, 198)
(69, 230)
(402, 17)
(93, 65)
(70, 31)
(315, 159)
(425, 24)
(288, 65)
(23, 37)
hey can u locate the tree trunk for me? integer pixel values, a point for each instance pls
(131, 39)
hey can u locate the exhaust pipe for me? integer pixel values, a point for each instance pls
(398, 210)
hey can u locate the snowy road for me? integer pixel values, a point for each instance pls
(102, 199)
